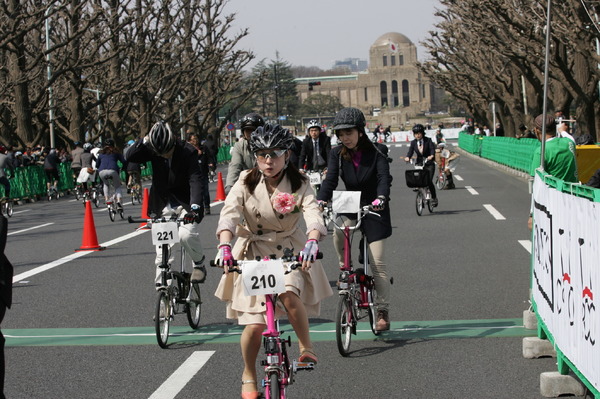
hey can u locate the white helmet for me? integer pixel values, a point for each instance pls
(311, 124)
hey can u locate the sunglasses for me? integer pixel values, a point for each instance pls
(273, 154)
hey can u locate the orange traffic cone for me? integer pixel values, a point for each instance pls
(145, 200)
(220, 188)
(89, 240)
(394, 139)
(407, 138)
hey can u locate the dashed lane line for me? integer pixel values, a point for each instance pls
(526, 244)
(471, 190)
(71, 257)
(29, 229)
(188, 369)
(497, 215)
(457, 177)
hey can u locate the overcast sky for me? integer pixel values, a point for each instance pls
(318, 32)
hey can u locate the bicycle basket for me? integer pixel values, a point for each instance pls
(417, 178)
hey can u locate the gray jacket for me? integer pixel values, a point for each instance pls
(241, 159)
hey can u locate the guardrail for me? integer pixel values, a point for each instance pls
(564, 274)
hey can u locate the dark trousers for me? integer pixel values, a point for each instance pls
(430, 168)
(205, 193)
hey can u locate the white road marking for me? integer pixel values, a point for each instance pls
(71, 257)
(471, 190)
(457, 177)
(497, 215)
(175, 383)
(30, 228)
(526, 244)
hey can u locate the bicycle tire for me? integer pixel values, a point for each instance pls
(111, 213)
(138, 196)
(9, 209)
(162, 318)
(95, 199)
(419, 203)
(343, 324)
(430, 205)
(193, 308)
(372, 313)
(273, 391)
(441, 181)
(132, 198)
(121, 213)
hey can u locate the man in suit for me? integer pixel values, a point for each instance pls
(424, 149)
(315, 148)
(6, 276)
(176, 190)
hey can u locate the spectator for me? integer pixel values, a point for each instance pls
(559, 159)
(203, 163)
(563, 131)
(5, 163)
(499, 130)
(525, 133)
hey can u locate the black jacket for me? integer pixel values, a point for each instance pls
(372, 179)
(180, 182)
(6, 268)
(306, 155)
(428, 150)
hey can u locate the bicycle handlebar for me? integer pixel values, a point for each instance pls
(155, 220)
(288, 257)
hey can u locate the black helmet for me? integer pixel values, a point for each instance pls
(418, 128)
(252, 120)
(77, 144)
(161, 138)
(270, 136)
(348, 118)
(109, 143)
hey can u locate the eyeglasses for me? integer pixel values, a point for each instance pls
(273, 154)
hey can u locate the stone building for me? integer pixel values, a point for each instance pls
(392, 88)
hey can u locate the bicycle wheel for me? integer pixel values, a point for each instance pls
(419, 203)
(111, 213)
(372, 313)
(9, 208)
(273, 391)
(138, 195)
(343, 325)
(162, 318)
(430, 205)
(95, 198)
(121, 213)
(194, 306)
(441, 181)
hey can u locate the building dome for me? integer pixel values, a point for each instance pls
(391, 37)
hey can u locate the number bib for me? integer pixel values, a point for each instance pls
(263, 277)
(314, 178)
(165, 233)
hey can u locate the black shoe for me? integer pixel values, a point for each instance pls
(434, 202)
(198, 274)
(207, 210)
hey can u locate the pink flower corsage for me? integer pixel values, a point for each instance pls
(285, 203)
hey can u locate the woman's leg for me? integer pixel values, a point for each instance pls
(379, 272)
(251, 343)
(298, 319)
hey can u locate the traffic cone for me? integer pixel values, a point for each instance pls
(145, 200)
(407, 138)
(89, 241)
(394, 139)
(220, 189)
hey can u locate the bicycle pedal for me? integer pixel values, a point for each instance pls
(304, 365)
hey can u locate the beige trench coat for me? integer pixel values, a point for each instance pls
(261, 231)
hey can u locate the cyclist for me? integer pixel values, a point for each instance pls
(134, 170)
(76, 159)
(363, 166)
(107, 167)
(451, 161)
(87, 170)
(315, 148)
(5, 163)
(51, 162)
(241, 156)
(176, 190)
(252, 213)
(424, 148)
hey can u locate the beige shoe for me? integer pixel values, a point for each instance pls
(383, 320)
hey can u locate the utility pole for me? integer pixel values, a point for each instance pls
(276, 92)
(49, 76)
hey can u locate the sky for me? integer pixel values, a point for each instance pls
(319, 32)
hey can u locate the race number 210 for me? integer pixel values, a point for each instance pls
(263, 282)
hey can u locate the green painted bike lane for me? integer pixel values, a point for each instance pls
(226, 333)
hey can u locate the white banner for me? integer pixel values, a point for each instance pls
(566, 258)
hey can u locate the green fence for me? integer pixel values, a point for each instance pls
(224, 154)
(509, 151)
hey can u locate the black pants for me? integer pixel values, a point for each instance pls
(2, 340)
(430, 168)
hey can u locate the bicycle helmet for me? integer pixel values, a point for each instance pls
(109, 143)
(270, 136)
(311, 124)
(348, 118)
(130, 142)
(418, 128)
(252, 120)
(87, 147)
(161, 138)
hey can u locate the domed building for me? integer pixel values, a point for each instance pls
(392, 88)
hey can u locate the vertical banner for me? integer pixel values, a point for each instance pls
(566, 258)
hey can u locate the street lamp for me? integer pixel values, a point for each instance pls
(49, 76)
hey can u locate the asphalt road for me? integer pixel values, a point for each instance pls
(81, 323)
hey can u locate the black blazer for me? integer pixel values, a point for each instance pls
(308, 149)
(6, 268)
(180, 182)
(428, 150)
(372, 179)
